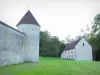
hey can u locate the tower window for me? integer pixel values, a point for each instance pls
(26, 53)
(69, 55)
(83, 44)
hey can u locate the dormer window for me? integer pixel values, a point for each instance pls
(83, 44)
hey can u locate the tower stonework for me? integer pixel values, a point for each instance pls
(31, 28)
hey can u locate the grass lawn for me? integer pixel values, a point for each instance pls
(53, 66)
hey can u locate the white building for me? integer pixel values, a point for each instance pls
(78, 50)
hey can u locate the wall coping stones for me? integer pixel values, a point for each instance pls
(11, 27)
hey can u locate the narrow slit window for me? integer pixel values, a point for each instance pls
(83, 44)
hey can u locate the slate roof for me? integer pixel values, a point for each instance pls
(28, 18)
(71, 45)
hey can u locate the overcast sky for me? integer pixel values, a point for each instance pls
(60, 17)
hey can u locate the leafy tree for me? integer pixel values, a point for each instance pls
(50, 45)
(44, 41)
(95, 37)
(68, 39)
(96, 25)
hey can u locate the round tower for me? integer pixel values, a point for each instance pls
(31, 28)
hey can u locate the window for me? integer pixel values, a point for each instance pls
(26, 53)
(22, 43)
(65, 51)
(68, 51)
(83, 44)
(69, 56)
(72, 51)
(74, 56)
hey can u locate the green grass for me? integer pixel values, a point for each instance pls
(53, 66)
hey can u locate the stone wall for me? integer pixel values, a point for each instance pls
(11, 45)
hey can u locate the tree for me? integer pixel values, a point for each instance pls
(50, 45)
(68, 39)
(96, 25)
(95, 37)
(44, 41)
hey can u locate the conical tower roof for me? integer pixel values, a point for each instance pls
(28, 18)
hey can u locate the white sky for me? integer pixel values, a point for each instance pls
(60, 17)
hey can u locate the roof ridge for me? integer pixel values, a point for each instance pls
(11, 27)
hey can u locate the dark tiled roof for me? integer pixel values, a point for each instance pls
(71, 45)
(11, 27)
(28, 18)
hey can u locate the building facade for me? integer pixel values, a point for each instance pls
(78, 50)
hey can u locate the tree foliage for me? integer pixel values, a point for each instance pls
(95, 37)
(96, 25)
(50, 46)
